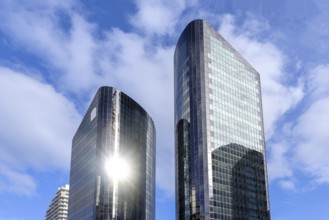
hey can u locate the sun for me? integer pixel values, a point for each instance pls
(117, 168)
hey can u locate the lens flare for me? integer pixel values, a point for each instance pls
(117, 168)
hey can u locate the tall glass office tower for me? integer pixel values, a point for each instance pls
(220, 149)
(113, 161)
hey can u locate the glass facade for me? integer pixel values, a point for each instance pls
(115, 126)
(220, 148)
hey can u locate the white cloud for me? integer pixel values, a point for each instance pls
(278, 165)
(318, 81)
(159, 17)
(308, 135)
(287, 185)
(306, 146)
(312, 132)
(16, 181)
(37, 125)
(69, 53)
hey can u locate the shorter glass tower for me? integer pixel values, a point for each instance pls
(113, 161)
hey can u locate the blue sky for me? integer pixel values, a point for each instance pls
(55, 54)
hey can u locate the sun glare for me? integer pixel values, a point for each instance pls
(117, 168)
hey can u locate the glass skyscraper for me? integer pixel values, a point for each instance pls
(220, 147)
(113, 161)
